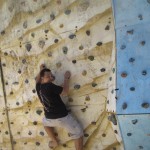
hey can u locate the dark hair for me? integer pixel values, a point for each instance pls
(43, 71)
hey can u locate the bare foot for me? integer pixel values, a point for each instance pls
(52, 144)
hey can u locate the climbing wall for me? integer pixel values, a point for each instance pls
(132, 26)
(75, 35)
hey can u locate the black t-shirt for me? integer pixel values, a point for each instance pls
(49, 95)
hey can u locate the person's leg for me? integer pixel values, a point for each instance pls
(79, 143)
(52, 136)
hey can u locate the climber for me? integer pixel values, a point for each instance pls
(56, 114)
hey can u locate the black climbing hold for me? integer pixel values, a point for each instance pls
(18, 132)
(38, 21)
(6, 132)
(107, 27)
(84, 72)
(39, 112)
(130, 31)
(124, 106)
(88, 32)
(41, 133)
(94, 84)
(28, 46)
(112, 118)
(25, 25)
(23, 61)
(11, 93)
(17, 103)
(3, 32)
(132, 89)
(64, 145)
(35, 122)
(77, 86)
(26, 81)
(19, 71)
(70, 99)
(107, 101)
(46, 31)
(86, 135)
(56, 41)
(114, 148)
(134, 121)
(4, 65)
(91, 58)
(58, 64)
(144, 72)
(140, 17)
(148, 1)
(14, 142)
(81, 47)
(29, 133)
(93, 123)
(34, 91)
(71, 36)
(141, 147)
(113, 70)
(103, 135)
(67, 12)
(124, 74)
(52, 16)
(41, 43)
(145, 105)
(6, 83)
(115, 131)
(131, 60)
(142, 43)
(122, 47)
(65, 49)
(99, 43)
(61, 25)
(103, 69)
(110, 78)
(37, 143)
(25, 143)
(5, 53)
(83, 109)
(129, 134)
(87, 98)
(74, 61)
(33, 35)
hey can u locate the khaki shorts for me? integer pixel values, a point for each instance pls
(68, 122)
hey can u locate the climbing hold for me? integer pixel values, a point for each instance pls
(83, 109)
(28, 46)
(124, 74)
(132, 89)
(144, 72)
(110, 78)
(140, 17)
(23, 61)
(35, 122)
(6, 132)
(17, 103)
(87, 98)
(94, 84)
(67, 12)
(14, 142)
(130, 31)
(26, 81)
(93, 123)
(25, 25)
(56, 41)
(91, 58)
(134, 121)
(52, 16)
(140, 147)
(11, 93)
(86, 135)
(64, 145)
(34, 91)
(41, 43)
(115, 131)
(81, 47)
(148, 1)
(37, 143)
(70, 99)
(129, 134)
(38, 21)
(124, 106)
(77, 86)
(88, 32)
(74, 61)
(103, 69)
(122, 47)
(65, 49)
(145, 105)
(29, 133)
(112, 118)
(61, 25)
(107, 27)
(99, 43)
(131, 60)
(103, 135)
(41, 133)
(46, 31)
(33, 35)
(71, 36)
(142, 43)
(3, 32)
(5, 53)
(39, 112)
(49, 54)
(84, 72)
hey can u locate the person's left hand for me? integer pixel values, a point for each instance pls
(42, 66)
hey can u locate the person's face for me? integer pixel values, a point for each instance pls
(48, 77)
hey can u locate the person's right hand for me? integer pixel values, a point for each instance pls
(67, 75)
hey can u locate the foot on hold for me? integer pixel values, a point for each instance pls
(52, 144)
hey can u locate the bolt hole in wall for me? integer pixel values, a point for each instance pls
(65, 35)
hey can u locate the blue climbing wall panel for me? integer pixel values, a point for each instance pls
(132, 25)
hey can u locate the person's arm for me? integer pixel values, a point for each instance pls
(66, 84)
(37, 79)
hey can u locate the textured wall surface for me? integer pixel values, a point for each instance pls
(75, 35)
(133, 80)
